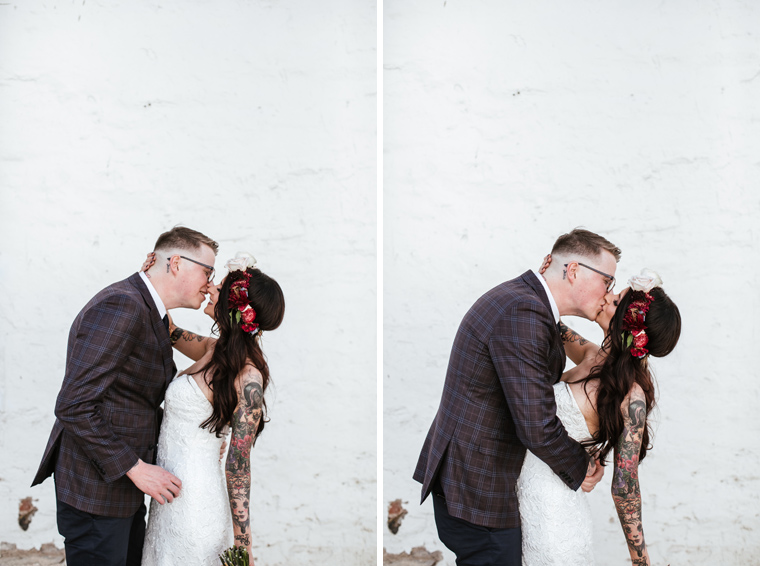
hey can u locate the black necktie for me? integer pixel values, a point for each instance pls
(166, 322)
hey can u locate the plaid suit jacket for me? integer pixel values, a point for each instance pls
(497, 400)
(118, 365)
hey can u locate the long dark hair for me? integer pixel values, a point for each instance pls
(620, 370)
(235, 348)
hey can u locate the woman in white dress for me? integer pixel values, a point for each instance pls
(603, 402)
(222, 392)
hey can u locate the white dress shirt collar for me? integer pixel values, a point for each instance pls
(552, 302)
(154, 295)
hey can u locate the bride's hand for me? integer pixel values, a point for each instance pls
(149, 261)
(546, 264)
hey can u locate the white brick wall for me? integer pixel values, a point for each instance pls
(509, 123)
(506, 124)
(252, 121)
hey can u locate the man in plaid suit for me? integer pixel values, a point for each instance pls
(118, 366)
(498, 400)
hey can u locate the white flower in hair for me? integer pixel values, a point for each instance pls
(240, 262)
(645, 281)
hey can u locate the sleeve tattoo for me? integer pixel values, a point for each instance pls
(625, 481)
(245, 423)
(570, 335)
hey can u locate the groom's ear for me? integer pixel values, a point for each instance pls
(570, 271)
(172, 264)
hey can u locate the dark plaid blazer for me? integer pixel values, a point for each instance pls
(118, 365)
(497, 400)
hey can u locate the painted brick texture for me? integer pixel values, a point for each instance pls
(509, 123)
(253, 122)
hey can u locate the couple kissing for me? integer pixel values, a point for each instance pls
(516, 437)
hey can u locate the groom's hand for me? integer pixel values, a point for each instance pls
(155, 481)
(593, 476)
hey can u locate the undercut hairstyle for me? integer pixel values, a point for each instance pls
(184, 238)
(585, 243)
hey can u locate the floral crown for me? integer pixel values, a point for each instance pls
(634, 321)
(241, 311)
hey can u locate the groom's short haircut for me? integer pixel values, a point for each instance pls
(584, 243)
(184, 238)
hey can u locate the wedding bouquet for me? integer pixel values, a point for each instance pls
(234, 556)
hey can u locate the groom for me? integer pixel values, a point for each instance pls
(118, 365)
(498, 400)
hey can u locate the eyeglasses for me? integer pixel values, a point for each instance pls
(610, 284)
(211, 267)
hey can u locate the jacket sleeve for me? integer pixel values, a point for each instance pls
(107, 334)
(520, 348)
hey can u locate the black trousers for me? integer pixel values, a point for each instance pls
(475, 545)
(93, 539)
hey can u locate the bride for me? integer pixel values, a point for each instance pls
(222, 391)
(603, 402)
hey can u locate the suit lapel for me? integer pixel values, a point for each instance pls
(558, 349)
(158, 326)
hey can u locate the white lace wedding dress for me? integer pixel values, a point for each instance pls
(555, 520)
(197, 526)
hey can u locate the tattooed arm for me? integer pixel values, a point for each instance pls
(245, 423)
(625, 481)
(576, 346)
(189, 343)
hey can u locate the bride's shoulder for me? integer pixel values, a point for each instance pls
(250, 373)
(635, 397)
(249, 379)
(197, 366)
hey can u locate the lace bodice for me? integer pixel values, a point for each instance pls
(555, 520)
(570, 413)
(197, 525)
(183, 444)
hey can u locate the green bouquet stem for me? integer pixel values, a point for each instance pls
(235, 556)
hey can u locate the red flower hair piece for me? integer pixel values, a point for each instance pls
(241, 311)
(634, 325)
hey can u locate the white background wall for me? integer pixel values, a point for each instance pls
(509, 123)
(251, 121)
